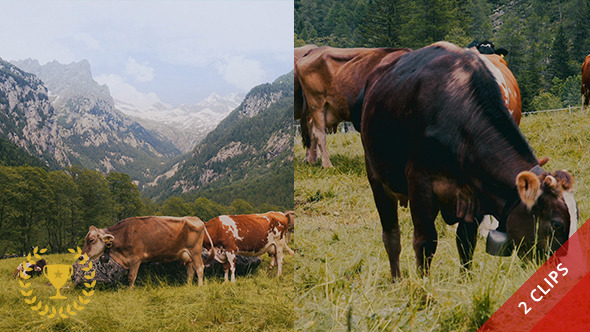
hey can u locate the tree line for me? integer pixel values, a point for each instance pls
(547, 39)
(54, 209)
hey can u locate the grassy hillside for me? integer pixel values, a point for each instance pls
(258, 302)
(342, 275)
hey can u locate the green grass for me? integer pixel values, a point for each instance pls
(258, 302)
(342, 275)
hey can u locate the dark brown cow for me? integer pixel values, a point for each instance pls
(586, 81)
(331, 79)
(436, 132)
(135, 240)
(250, 235)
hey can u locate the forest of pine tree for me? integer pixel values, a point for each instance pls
(547, 39)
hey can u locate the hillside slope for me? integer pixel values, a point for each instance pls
(249, 155)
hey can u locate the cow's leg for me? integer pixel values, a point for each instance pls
(424, 209)
(199, 267)
(279, 258)
(272, 253)
(225, 271)
(311, 155)
(231, 258)
(318, 135)
(387, 208)
(133, 268)
(466, 241)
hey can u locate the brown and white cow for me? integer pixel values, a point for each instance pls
(249, 235)
(436, 133)
(507, 83)
(331, 80)
(586, 81)
(135, 240)
(35, 269)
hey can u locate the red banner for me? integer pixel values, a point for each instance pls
(556, 297)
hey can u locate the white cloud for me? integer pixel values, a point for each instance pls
(241, 72)
(126, 92)
(140, 72)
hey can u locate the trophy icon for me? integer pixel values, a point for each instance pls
(58, 274)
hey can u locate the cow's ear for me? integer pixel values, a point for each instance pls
(92, 228)
(565, 179)
(529, 188)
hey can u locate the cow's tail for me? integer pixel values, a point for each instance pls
(212, 252)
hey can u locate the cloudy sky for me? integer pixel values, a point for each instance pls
(178, 52)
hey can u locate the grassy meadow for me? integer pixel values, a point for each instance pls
(257, 302)
(342, 274)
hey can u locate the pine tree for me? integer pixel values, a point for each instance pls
(559, 57)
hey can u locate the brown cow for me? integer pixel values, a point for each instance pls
(507, 82)
(586, 82)
(135, 240)
(299, 101)
(436, 132)
(249, 235)
(331, 80)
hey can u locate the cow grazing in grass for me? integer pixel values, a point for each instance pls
(331, 79)
(249, 235)
(135, 240)
(586, 81)
(436, 133)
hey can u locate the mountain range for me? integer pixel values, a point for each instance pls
(57, 115)
(185, 125)
(81, 123)
(248, 155)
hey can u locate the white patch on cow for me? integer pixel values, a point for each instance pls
(499, 79)
(231, 224)
(573, 210)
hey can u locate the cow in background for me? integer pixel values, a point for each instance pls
(436, 133)
(37, 269)
(133, 241)
(586, 82)
(249, 235)
(487, 47)
(331, 80)
(299, 101)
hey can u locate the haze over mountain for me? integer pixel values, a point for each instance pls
(184, 125)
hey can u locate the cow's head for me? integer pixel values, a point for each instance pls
(96, 241)
(546, 215)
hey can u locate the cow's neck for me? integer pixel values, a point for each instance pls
(117, 246)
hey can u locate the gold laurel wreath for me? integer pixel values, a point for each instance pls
(62, 311)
